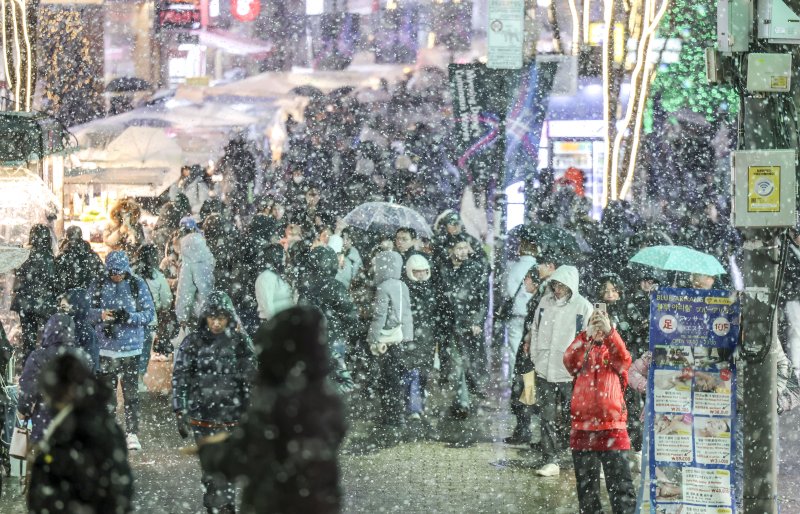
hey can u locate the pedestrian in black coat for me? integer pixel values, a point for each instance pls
(77, 265)
(211, 380)
(286, 449)
(82, 462)
(77, 304)
(35, 287)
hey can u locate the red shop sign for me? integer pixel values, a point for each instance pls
(245, 10)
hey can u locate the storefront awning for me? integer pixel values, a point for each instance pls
(234, 44)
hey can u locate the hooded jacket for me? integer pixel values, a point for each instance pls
(122, 336)
(212, 374)
(555, 325)
(466, 293)
(85, 338)
(425, 314)
(329, 295)
(392, 305)
(287, 446)
(113, 236)
(273, 293)
(196, 277)
(78, 265)
(600, 370)
(58, 337)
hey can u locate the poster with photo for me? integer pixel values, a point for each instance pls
(691, 409)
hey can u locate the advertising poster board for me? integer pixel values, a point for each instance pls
(690, 418)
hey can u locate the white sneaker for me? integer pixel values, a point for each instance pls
(133, 442)
(414, 416)
(548, 470)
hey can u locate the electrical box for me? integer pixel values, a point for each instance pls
(713, 66)
(734, 22)
(777, 22)
(764, 188)
(769, 73)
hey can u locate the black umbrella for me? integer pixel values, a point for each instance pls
(341, 92)
(553, 239)
(128, 85)
(307, 90)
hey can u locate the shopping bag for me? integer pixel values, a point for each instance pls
(158, 378)
(19, 441)
(528, 396)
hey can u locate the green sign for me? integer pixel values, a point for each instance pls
(505, 33)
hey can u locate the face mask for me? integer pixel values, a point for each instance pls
(297, 179)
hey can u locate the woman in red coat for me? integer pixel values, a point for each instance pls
(599, 362)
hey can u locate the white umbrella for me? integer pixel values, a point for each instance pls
(384, 216)
(12, 257)
(209, 115)
(143, 147)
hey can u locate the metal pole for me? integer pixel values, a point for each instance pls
(759, 398)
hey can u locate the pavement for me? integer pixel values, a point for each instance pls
(481, 474)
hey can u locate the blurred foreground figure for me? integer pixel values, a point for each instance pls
(286, 448)
(81, 464)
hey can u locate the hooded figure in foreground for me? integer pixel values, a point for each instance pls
(82, 463)
(286, 449)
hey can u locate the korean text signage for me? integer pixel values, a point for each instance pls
(505, 34)
(179, 14)
(764, 189)
(691, 412)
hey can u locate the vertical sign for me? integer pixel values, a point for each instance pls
(691, 407)
(505, 34)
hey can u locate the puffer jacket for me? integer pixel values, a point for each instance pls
(465, 291)
(212, 374)
(85, 337)
(392, 305)
(130, 295)
(555, 325)
(58, 338)
(196, 277)
(329, 295)
(601, 374)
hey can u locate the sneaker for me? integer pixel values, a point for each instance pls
(548, 470)
(414, 416)
(142, 386)
(133, 442)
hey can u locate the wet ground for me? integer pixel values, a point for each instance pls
(414, 476)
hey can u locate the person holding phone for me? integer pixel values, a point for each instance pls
(599, 362)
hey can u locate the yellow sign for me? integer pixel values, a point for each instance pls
(764, 189)
(198, 81)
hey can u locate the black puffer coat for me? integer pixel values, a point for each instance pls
(212, 375)
(78, 265)
(328, 294)
(286, 450)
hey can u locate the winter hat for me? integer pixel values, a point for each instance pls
(188, 224)
(117, 263)
(336, 243)
(417, 263)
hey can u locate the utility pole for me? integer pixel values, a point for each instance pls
(752, 45)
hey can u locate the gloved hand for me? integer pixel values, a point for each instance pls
(183, 423)
(121, 316)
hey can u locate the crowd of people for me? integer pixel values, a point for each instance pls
(279, 319)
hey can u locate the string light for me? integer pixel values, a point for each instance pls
(17, 58)
(587, 19)
(5, 40)
(576, 27)
(28, 56)
(608, 17)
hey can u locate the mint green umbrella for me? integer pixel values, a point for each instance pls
(679, 258)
